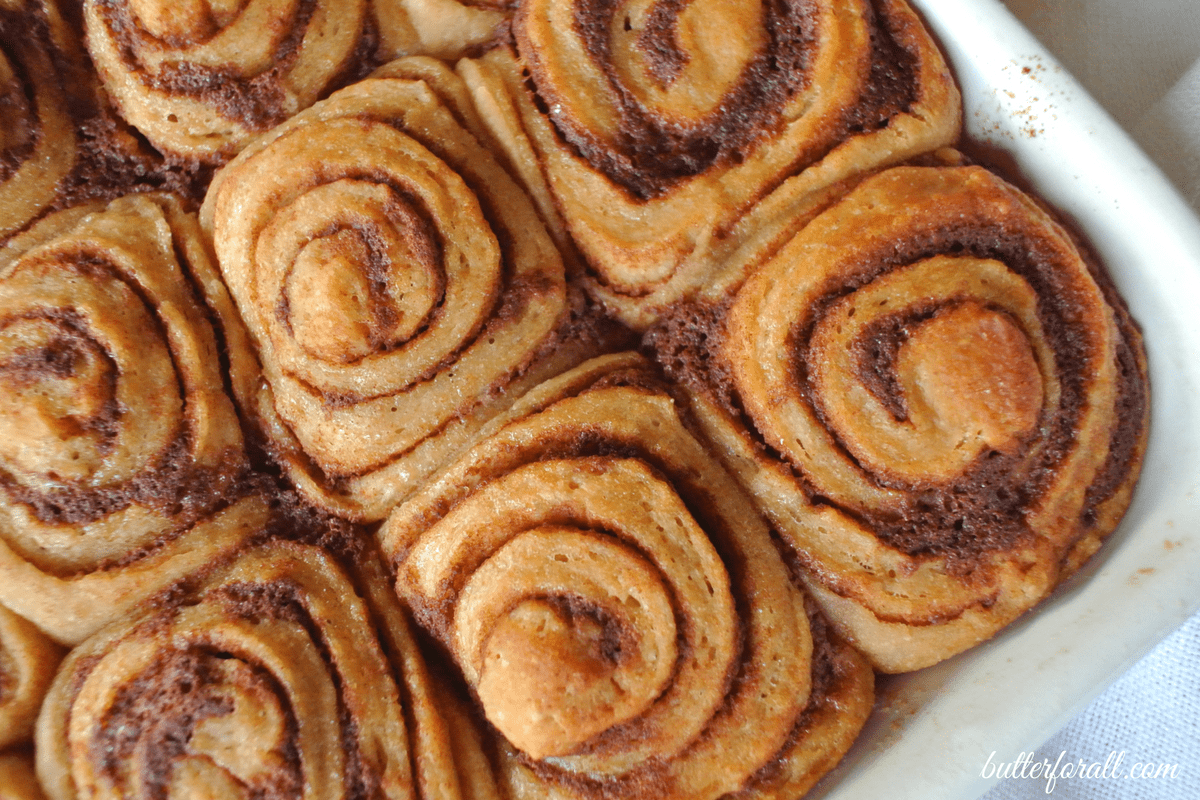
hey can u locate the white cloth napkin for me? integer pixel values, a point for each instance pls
(1141, 60)
(1145, 728)
(1170, 134)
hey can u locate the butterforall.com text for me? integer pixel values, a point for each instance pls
(1114, 767)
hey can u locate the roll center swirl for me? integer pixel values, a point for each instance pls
(651, 93)
(366, 283)
(971, 372)
(59, 410)
(247, 741)
(919, 389)
(682, 58)
(80, 348)
(589, 644)
(180, 738)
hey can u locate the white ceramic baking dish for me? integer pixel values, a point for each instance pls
(933, 731)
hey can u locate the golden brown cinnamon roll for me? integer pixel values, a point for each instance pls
(265, 679)
(675, 144)
(38, 138)
(200, 79)
(933, 397)
(617, 607)
(396, 284)
(119, 448)
(27, 663)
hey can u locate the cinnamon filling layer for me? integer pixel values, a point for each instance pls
(255, 101)
(649, 154)
(982, 510)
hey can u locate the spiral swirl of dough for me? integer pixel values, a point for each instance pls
(38, 146)
(200, 78)
(676, 143)
(118, 442)
(938, 404)
(266, 679)
(396, 283)
(614, 602)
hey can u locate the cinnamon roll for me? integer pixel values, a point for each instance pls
(121, 454)
(200, 79)
(397, 285)
(618, 608)
(676, 144)
(934, 398)
(27, 663)
(38, 140)
(265, 678)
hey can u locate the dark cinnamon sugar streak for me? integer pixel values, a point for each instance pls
(21, 132)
